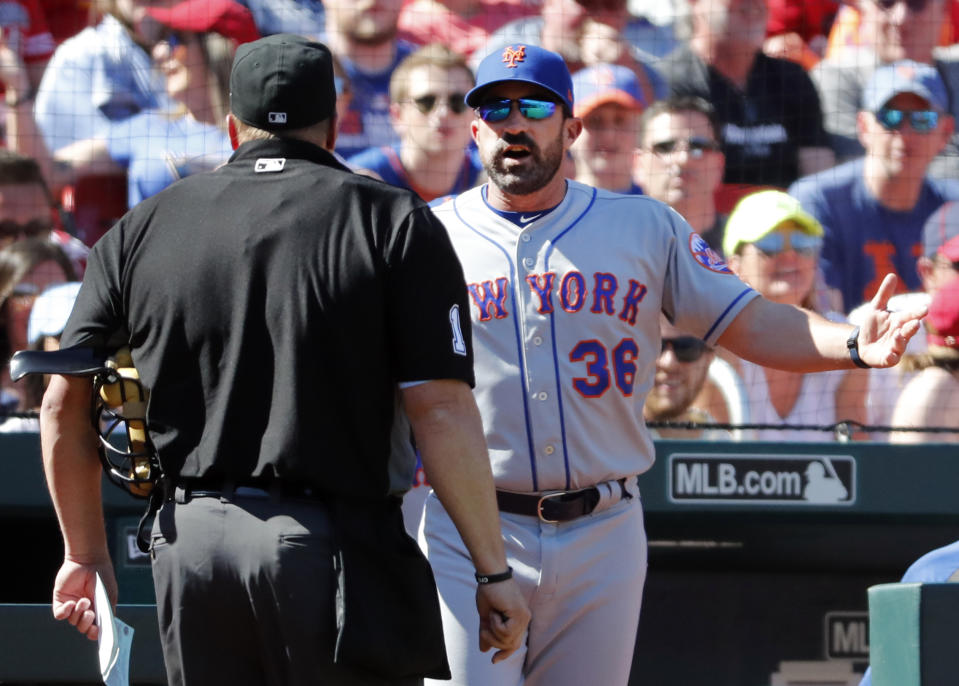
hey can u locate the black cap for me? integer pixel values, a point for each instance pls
(282, 82)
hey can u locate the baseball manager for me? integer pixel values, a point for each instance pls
(281, 309)
(566, 287)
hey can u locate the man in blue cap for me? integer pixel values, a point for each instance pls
(873, 209)
(566, 285)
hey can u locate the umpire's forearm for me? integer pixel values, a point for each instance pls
(449, 436)
(72, 468)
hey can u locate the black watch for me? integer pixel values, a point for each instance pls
(484, 579)
(852, 345)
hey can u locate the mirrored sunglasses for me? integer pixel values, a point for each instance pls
(686, 348)
(696, 146)
(427, 103)
(775, 243)
(922, 121)
(531, 108)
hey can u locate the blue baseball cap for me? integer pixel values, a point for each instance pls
(905, 76)
(605, 83)
(526, 63)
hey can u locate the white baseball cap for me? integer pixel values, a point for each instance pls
(50, 311)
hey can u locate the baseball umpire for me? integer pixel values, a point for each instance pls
(281, 310)
(567, 283)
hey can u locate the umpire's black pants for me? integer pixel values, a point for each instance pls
(245, 593)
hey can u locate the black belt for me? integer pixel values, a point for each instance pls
(252, 488)
(561, 506)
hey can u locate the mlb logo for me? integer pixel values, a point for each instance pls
(277, 117)
(269, 164)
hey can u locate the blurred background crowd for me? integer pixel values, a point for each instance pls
(810, 142)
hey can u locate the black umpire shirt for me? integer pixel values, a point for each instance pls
(272, 306)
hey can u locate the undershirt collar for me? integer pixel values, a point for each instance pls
(520, 219)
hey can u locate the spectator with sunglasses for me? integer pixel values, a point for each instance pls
(770, 119)
(48, 317)
(27, 268)
(428, 110)
(890, 31)
(26, 208)
(773, 245)
(873, 209)
(682, 369)
(680, 162)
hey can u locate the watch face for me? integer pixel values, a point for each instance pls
(853, 340)
(852, 345)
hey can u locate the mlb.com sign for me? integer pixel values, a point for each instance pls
(757, 478)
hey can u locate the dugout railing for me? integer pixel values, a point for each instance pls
(761, 555)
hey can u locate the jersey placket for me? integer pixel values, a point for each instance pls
(545, 399)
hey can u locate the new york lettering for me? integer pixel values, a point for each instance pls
(603, 293)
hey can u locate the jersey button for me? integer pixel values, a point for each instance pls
(525, 238)
(549, 450)
(537, 340)
(542, 395)
(529, 262)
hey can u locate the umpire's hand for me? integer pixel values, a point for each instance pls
(73, 594)
(504, 617)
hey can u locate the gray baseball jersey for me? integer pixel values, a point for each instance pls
(565, 314)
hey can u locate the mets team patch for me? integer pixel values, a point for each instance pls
(706, 256)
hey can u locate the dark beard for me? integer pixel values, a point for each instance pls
(545, 164)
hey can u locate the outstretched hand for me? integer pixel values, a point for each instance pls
(504, 617)
(883, 335)
(73, 593)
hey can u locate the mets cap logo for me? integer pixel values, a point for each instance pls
(603, 76)
(706, 256)
(906, 71)
(511, 56)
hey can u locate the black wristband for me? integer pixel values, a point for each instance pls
(852, 345)
(483, 579)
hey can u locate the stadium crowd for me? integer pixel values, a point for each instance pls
(822, 130)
